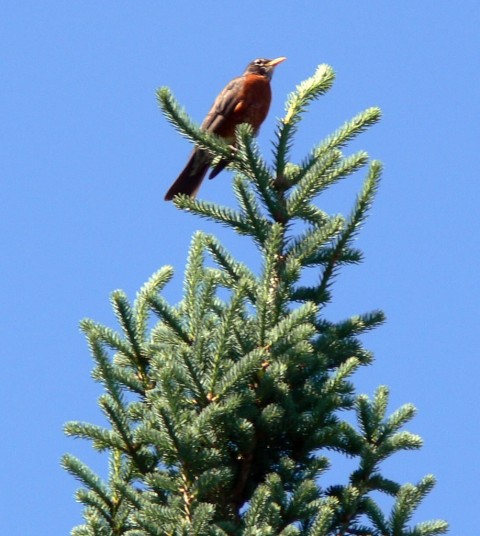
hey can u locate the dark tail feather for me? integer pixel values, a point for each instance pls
(218, 168)
(190, 179)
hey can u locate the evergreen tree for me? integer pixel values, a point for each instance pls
(222, 410)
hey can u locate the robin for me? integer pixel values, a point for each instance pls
(245, 99)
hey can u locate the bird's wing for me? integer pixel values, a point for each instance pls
(223, 106)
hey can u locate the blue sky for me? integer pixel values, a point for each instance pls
(86, 157)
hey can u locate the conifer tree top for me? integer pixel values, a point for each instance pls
(223, 409)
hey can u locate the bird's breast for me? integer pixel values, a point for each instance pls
(252, 104)
(254, 101)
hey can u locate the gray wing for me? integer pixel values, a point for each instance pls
(224, 104)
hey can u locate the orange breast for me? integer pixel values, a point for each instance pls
(252, 107)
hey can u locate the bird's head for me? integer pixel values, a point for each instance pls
(263, 66)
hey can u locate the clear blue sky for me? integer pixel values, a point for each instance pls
(86, 157)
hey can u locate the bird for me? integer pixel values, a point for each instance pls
(246, 99)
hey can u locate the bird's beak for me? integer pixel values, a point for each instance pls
(276, 61)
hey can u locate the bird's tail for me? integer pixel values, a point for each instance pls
(190, 179)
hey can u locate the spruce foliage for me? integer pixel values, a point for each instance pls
(222, 410)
